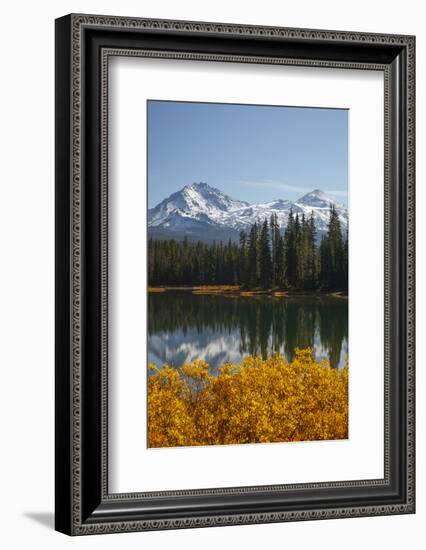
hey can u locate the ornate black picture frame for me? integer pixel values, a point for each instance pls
(83, 45)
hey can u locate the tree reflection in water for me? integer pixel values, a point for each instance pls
(183, 326)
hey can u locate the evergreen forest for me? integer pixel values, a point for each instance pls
(266, 257)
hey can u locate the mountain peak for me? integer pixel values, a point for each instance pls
(202, 189)
(201, 196)
(317, 193)
(203, 212)
(200, 185)
(318, 198)
(198, 202)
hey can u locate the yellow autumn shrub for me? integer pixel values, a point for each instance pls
(270, 400)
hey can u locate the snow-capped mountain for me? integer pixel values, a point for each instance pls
(201, 212)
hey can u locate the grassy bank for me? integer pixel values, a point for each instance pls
(235, 290)
(258, 401)
(208, 289)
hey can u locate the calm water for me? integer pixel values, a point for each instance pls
(183, 326)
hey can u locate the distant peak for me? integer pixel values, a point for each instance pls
(317, 195)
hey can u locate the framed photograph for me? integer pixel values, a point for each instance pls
(234, 274)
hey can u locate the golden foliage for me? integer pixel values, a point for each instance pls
(259, 401)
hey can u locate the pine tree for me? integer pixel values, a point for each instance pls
(280, 265)
(345, 264)
(275, 243)
(290, 251)
(253, 256)
(265, 257)
(243, 277)
(312, 261)
(332, 255)
(301, 250)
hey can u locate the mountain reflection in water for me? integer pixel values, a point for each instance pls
(183, 326)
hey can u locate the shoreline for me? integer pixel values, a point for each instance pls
(236, 291)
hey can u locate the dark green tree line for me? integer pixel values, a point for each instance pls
(265, 257)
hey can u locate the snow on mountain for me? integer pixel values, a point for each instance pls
(318, 199)
(195, 201)
(199, 211)
(319, 203)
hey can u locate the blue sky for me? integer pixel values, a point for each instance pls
(253, 153)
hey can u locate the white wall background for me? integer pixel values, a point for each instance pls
(26, 289)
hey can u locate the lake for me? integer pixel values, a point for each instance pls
(183, 326)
